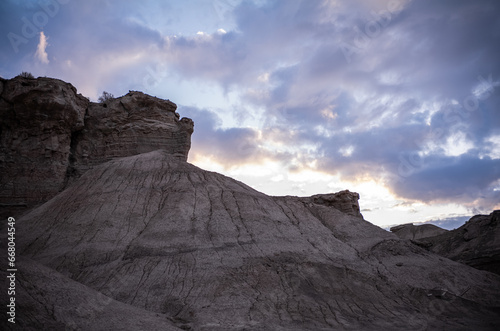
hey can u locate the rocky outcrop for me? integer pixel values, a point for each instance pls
(49, 135)
(37, 120)
(344, 201)
(133, 124)
(414, 232)
(476, 243)
(209, 253)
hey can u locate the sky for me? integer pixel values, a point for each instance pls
(397, 100)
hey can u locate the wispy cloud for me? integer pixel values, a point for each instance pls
(41, 53)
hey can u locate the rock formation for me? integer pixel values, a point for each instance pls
(414, 232)
(133, 124)
(476, 243)
(345, 201)
(37, 120)
(155, 238)
(50, 133)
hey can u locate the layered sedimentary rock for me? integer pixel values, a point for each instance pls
(132, 124)
(49, 134)
(410, 231)
(476, 243)
(209, 253)
(345, 201)
(37, 119)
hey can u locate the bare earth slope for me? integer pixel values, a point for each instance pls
(476, 243)
(157, 233)
(50, 301)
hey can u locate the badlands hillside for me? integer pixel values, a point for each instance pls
(115, 230)
(476, 243)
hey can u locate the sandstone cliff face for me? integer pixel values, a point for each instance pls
(49, 134)
(37, 120)
(209, 253)
(133, 124)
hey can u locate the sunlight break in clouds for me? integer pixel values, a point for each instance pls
(41, 53)
(412, 110)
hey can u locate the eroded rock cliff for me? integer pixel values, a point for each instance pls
(49, 135)
(345, 201)
(132, 124)
(37, 120)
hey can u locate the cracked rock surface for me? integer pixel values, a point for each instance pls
(476, 243)
(206, 252)
(50, 301)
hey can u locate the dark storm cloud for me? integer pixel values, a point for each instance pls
(463, 179)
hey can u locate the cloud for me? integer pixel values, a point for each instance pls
(448, 223)
(41, 53)
(229, 147)
(414, 106)
(466, 179)
(401, 101)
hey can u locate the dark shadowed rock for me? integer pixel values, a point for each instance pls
(410, 231)
(49, 135)
(37, 120)
(476, 243)
(209, 252)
